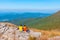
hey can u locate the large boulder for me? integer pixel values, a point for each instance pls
(35, 34)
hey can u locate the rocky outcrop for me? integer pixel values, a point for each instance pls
(10, 32)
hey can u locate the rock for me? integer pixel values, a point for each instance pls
(35, 34)
(9, 32)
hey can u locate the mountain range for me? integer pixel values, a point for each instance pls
(48, 23)
(34, 20)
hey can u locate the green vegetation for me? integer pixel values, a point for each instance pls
(51, 22)
(48, 23)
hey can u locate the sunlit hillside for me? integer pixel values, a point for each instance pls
(48, 23)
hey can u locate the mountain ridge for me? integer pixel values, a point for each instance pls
(48, 23)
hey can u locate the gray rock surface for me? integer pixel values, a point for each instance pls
(9, 32)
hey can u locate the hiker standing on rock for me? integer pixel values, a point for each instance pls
(20, 28)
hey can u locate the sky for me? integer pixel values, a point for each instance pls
(30, 5)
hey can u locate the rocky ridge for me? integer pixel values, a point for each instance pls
(9, 31)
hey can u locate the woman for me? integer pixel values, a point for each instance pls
(20, 28)
(25, 29)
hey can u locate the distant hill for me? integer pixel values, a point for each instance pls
(28, 18)
(48, 23)
(34, 20)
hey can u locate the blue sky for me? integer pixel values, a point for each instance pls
(29, 4)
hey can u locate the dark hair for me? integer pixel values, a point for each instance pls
(24, 25)
(20, 25)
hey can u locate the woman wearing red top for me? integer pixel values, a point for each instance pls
(25, 28)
